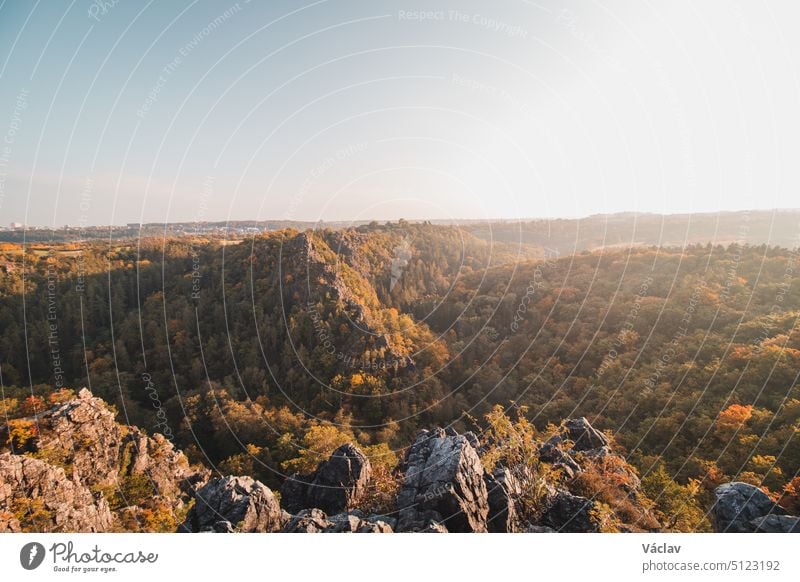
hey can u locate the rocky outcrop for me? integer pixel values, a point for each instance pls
(337, 485)
(743, 508)
(308, 257)
(308, 521)
(90, 458)
(81, 461)
(551, 451)
(583, 435)
(316, 521)
(83, 434)
(443, 483)
(233, 504)
(570, 513)
(40, 497)
(587, 442)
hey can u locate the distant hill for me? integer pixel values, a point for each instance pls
(774, 228)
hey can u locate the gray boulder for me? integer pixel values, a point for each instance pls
(738, 504)
(239, 503)
(570, 513)
(337, 485)
(443, 483)
(584, 436)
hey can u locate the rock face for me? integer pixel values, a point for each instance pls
(504, 492)
(569, 513)
(584, 436)
(741, 508)
(84, 435)
(233, 504)
(337, 485)
(443, 483)
(43, 496)
(310, 252)
(91, 461)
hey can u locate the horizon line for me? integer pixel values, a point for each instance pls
(346, 222)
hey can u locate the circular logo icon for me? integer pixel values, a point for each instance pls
(31, 555)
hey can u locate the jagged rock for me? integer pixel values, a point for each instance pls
(471, 439)
(308, 521)
(776, 524)
(341, 481)
(738, 504)
(315, 521)
(443, 475)
(504, 491)
(550, 452)
(337, 485)
(293, 493)
(100, 452)
(583, 435)
(247, 504)
(570, 513)
(43, 496)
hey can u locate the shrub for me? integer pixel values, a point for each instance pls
(675, 505)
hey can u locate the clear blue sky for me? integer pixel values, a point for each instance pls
(180, 110)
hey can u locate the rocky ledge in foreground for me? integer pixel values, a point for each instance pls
(81, 471)
(443, 486)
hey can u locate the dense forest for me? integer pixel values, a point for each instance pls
(258, 357)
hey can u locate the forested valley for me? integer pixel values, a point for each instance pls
(260, 357)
